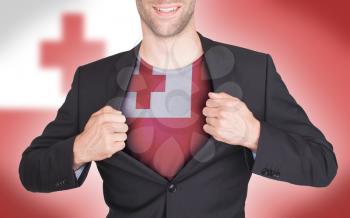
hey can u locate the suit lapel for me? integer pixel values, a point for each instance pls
(219, 62)
(119, 79)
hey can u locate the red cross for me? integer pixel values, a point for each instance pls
(73, 50)
(143, 84)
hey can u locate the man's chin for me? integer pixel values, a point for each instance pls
(166, 32)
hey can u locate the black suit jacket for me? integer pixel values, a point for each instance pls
(214, 182)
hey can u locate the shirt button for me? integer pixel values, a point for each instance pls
(172, 188)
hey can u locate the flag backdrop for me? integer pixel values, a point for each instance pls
(42, 43)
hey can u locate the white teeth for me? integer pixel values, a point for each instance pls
(166, 9)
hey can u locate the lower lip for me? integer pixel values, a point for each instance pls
(166, 14)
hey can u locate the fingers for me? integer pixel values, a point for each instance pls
(213, 121)
(208, 128)
(210, 112)
(115, 127)
(115, 147)
(211, 130)
(221, 102)
(220, 95)
(106, 114)
(111, 118)
(228, 103)
(118, 144)
(214, 131)
(217, 112)
(119, 137)
(107, 109)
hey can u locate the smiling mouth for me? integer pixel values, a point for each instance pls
(166, 11)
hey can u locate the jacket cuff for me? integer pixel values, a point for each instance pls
(271, 141)
(61, 159)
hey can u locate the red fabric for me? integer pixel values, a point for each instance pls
(166, 144)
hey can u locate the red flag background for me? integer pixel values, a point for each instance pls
(42, 43)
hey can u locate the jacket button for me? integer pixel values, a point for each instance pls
(60, 183)
(276, 174)
(265, 172)
(172, 188)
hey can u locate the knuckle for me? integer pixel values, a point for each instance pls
(104, 109)
(218, 131)
(122, 145)
(121, 136)
(222, 113)
(207, 120)
(230, 103)
(110, 148)
(126, 127)
(118, 127)
(221, 122)
(100, 118)
(124, 136)
(107, 108)
(123, 118)
(94, 114)
(208, 102)
(119, 146)
(107, 153)
(239, 105)
(105, 126)
(243, 105)
(93, 118)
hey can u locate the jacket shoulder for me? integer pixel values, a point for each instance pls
(101, 64)
(242, 51)
(96, 73)
(246, 59)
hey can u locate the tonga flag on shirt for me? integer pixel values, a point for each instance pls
(163, 109)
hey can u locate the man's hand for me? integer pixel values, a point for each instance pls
(229, 120)
(103, 135)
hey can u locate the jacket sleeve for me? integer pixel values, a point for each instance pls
(47, 163)
(290, 147)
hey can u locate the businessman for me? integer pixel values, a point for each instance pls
(177, 125)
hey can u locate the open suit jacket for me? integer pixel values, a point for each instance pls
(211, 184)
